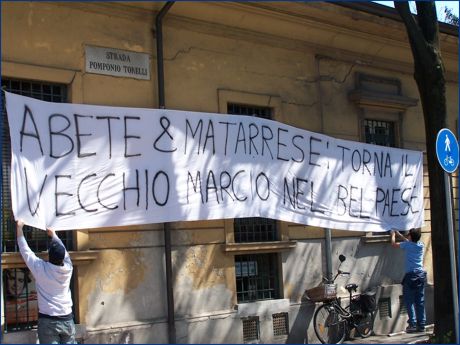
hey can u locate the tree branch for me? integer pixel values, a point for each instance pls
(413, 30)
(428, 21)
(417, 40)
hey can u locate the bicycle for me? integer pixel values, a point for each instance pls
(332, 322)
(449, 160)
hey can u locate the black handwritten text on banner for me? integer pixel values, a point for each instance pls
(80, 166)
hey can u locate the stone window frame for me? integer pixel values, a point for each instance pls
(72, 78)
(225, 96)
(382, 95)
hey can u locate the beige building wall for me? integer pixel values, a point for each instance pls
(303, 60)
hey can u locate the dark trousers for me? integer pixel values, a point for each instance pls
(52, 331)
(414, 298)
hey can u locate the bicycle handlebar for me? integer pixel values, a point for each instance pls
(339, 272)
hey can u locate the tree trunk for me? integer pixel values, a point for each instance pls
(429, 76)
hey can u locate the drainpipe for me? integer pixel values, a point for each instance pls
(1, 207)
(159, 37)
(166, 226)
(328, 245)
(327, 231)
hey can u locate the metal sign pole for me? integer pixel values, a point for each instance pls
(450, 230)
(447, 152)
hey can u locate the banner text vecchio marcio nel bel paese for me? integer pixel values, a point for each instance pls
(82, 166)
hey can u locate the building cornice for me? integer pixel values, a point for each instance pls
(391, 13)
(305, 18)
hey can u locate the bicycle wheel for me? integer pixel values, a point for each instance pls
(330, 327)
(365, 324)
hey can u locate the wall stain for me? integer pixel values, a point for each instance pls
(112, 272)
(124, 270)
(205, 265)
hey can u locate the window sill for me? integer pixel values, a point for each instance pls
(375, 239)
(368, 98)
(378, 239)
(14, 260)
(258, 247)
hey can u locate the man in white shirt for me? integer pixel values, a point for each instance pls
(52, 281)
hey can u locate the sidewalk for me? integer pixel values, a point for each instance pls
(412, 338)
(394, 338)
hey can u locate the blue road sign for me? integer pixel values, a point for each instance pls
(447, 150)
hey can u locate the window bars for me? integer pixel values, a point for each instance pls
(379, 132)
(20, 307)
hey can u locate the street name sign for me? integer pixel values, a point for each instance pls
(117, 62)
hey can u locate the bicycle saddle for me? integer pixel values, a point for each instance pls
(351, 287)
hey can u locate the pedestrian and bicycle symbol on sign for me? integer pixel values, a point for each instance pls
(447, 150)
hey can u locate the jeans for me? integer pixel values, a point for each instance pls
(414, 298)
(52, 331)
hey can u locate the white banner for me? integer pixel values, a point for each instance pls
(81, 166)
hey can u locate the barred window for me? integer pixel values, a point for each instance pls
(253, 229)
(249, 110)
(384, 307)
(280, 324)
(21, 310)
(20, 296)
(251, 329)
(402, 306)
(379, 132)
(256, 274)
(256, 277)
